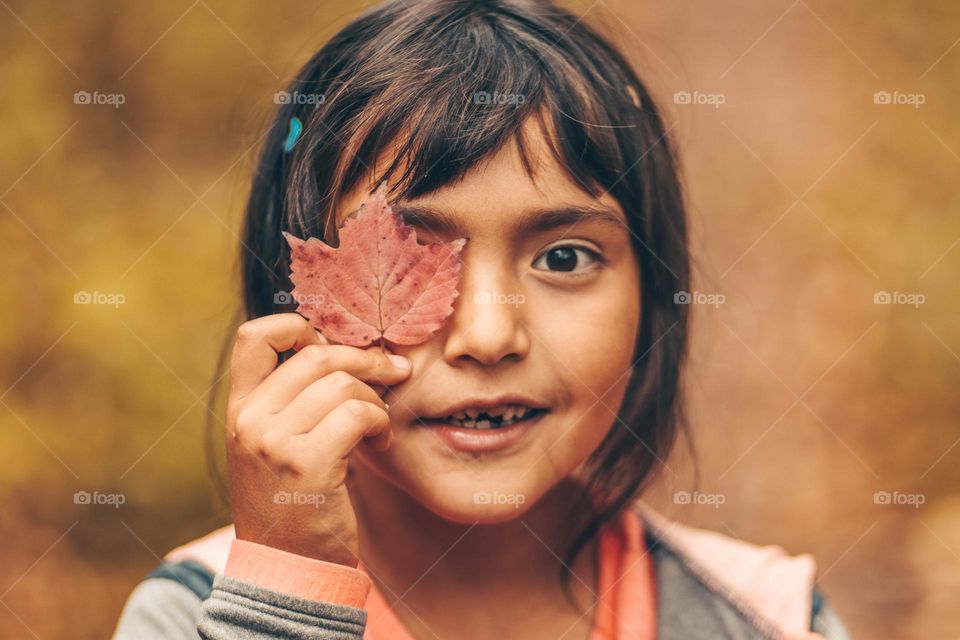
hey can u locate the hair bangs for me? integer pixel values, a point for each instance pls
(476, 88)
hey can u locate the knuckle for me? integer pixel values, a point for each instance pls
(244, 423)
(269, 447)
(355, 406)
(246, 332)
(305, 325)
(383, 365)
(242, 347)
(315, 353)
(375, 359)
(342, 380)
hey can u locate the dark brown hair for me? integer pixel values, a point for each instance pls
(443, 85)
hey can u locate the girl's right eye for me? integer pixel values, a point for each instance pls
(564, 258)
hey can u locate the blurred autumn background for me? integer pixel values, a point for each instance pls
(821, 151)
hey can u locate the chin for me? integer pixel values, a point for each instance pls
(478, 506)
(482, 514)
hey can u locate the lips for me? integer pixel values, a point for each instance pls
(502, 440)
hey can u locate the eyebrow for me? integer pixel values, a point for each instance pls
(530, 221)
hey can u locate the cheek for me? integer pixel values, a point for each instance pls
(585, 422)
(590, 342)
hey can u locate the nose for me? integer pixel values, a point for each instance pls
(487, 324)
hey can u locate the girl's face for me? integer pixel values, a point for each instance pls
(548, 312)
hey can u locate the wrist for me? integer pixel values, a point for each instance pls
(296, 574)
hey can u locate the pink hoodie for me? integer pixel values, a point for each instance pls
(766, 581)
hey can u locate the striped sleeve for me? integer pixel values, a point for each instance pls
(263, 593)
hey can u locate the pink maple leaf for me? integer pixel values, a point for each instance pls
(379, 283)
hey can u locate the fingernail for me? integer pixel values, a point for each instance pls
(399, 361)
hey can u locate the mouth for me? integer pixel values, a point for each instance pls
(482, 420)
(475, 430)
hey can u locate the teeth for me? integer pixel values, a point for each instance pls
(496, 417)
(506, 411)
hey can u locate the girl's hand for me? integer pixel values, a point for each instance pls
(290, 430)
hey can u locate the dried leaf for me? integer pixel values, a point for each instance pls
(379, 283)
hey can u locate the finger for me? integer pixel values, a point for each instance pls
(258, 343)
(321, 397)
(315, 361)
(380, 389)
(343, 428)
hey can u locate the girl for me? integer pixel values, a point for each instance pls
(370, 496)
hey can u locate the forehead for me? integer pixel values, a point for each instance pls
(497, 191)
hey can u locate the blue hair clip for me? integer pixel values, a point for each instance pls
(295, 128)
